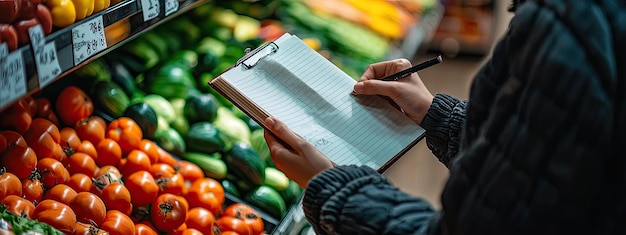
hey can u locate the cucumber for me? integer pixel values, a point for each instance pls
(110, 98)
(145, 117)
(205, 138)
(212, 166)
(170, 140)
(268, 200)
(291, 193)
(200, 107)
(231, 188)
(276, 179)
(245, 163)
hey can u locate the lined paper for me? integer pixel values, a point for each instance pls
(312, 96)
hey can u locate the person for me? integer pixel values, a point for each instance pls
(536, 149)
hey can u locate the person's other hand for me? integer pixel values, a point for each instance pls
(409, 93)
(300, 161)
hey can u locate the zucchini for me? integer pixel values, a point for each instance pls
(276, 179)
(291, 193)
(170, 81)
(110, 98)
(161, 106)
(245, 163)
(170, 140)
(200, 107)
(212, 166)
(145, 117)
(231, 188)
(268, 200)
(205, 138)
(121, 76)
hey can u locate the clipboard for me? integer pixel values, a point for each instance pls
(252, 57)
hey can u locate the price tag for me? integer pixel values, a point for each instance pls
(12, 77)
(150, 9)
(45, 55)
(171, 6)
(88, 39)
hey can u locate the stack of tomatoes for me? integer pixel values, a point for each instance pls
(66, 167)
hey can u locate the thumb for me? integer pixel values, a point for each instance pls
(282, 132)
(373, 87)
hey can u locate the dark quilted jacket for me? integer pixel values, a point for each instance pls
(537, 149)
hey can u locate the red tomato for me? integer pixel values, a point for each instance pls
(117, 223)
(126, 132)
(9, 184)
(168, 212)
(89, 208)
(60, 193)
(70, 142)
(150, 148)
(32, 188)
(229, 223)
(19, 160)
(166, 157)
(117, 197)
(57, 215)
(3, 143)
(191, 231)
(88, 229)
(191, 172)
(201, 219)
(88, 148)
(81, 163)
(207, 193)
(44, 110)
(248, 214)
(18, 206)
(43, 137)
(105, 176)
(229, 233)
(80, 182)
(109, 152)
(91, 128)
(14, 138)
(159, 170)
(73, 105)
(52, 172)
(142, 183)
(136, 160)
(145, 229)
(17, 117)
(174, 184)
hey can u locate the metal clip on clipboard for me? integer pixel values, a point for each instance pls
(253, 57)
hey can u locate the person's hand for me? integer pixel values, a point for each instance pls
(409, 93)
(300, 161)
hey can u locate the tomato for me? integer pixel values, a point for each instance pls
(145, 229)
(91, 128)
(70, 142)
(174, 184)
(88, 229)
(105, 176)
(117, 197)
(207, 193)
(142, 183)
(19, 160)
(249, 215)
(179, 230)
(88, 148)
(89, 208)
(14, 138)
(9, 184)
(16, 117)
(229, 223)
(109, 152)
(201, 219)
(113, 172)
(168, 212)
(43, 137)
(136, 160)
(166, 157)
(32, 188)
(117, 223)
(80, 182)
(61, 193)
(229, 233)
(44, 110)
(52, 172)
(73, 105)
(126, 132)
(18, 205)
(159, 170)
(3, 143)
(191, 172)
(81, 163)
(31, 103)
(150, 148)
(56, 214)
(191, 231)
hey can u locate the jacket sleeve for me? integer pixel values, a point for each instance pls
(358, 200)
(444, 124)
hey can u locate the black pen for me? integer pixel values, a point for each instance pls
(409, 71)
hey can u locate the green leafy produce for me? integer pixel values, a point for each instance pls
(21, 225)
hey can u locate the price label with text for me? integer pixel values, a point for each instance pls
(45, 55)
(13, 77)
(88, 39)
(171, 6)
(150, 9)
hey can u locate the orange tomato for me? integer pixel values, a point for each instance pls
(81, 163)
(44, 110)
(168, 212)
(32, 188)
(145, 229)
(150, 148)
(57, 215)
(117, 197)
(80, 182)
(73, 105)
(229, 223)
(92, 129)
(14, 138)
(191, 172)
(88, 207)
(43, 137)
(88, 229)
(117, 223)
(248, 214)
(19, 160)
(18, 205)
(70, 142)
(109, 152)
(166, 157)
(207, 193)
(201, 219)
(88, 148)
(52, 172)
(159, 170)
(126, 132)
(61, 193)
(9, 184)
(17, 117)
(136, 160)
(143, 184)
(191, 231)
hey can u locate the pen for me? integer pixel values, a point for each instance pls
(409, 71)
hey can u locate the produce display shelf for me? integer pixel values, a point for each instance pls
(418, 36)
(121, 23)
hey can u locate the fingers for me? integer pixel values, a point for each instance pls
(381, 69)
(283, 133)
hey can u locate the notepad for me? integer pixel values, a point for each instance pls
(294, 83)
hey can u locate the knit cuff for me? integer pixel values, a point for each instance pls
(443, 124)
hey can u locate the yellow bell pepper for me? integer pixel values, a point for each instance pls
(99, 5)
(62, 11)
(83, 8)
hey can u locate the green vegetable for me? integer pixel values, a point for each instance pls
(170, 140)
(145, 117)
(245, 163)
(200, 107)
(170, 81)
(157, 42)
(257, 141)
(110, 98)
(205, 138)
(212, 166)
(291, 193)
(268, 200)
(22, 225)
(233, 128)
(231, 188)
(121, 76)
(95, 70)
(185, 59)
(138, 56)
(161, 106)
(275, 179)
